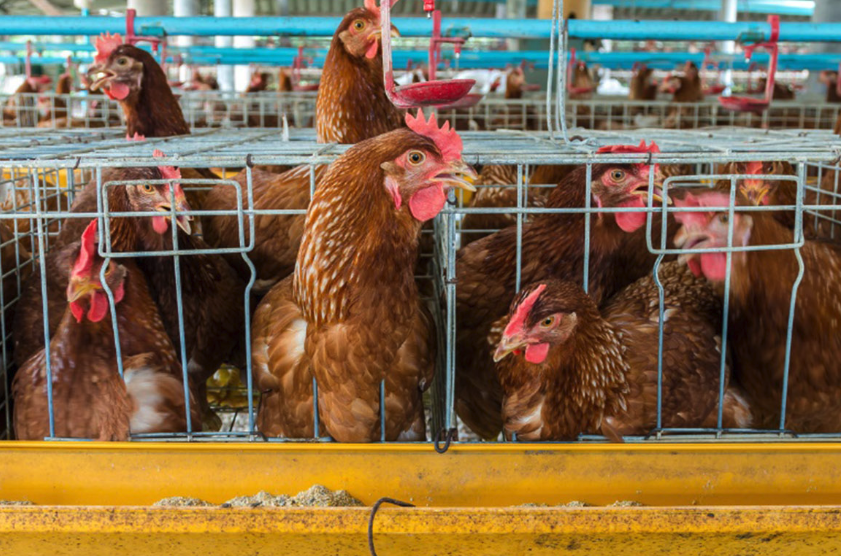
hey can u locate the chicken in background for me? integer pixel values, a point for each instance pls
(830, 79)
(762, 192)
(499, 190)
(552, 247)
(352, 106)
(686, 88)
(90, 400)
(582, 86)
(53, 110)
(568, 368)
(212, 294)
(642, 86)
(21, 110)
(761, 285)
(350, 315)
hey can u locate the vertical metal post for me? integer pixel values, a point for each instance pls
(242, 74)
(224, 73)
(729, 13)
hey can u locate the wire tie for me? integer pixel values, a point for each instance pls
(248, 161)
(78, 161)
(374, 510)
(449, 435)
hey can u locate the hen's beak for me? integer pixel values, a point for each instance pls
(507, 346)
(687, 240)
(657, 192)
(755, 193)
(378, 34)
(100, 78)
(79, 288)
(459, 174)
(183, 220)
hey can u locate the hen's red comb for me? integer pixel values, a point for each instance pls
(168, 172)
(85, 261)
(105, 44)
(522, 312)
(630, 148)
(446, 139)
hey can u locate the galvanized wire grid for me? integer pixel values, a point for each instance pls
(43, 168)
(268, 110)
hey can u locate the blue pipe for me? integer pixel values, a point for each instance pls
(475, 59)
(800, 8)
(421, 27)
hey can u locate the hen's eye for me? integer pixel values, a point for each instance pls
(547, 322)
(359, 24)
(416, 157)
(723, 218)
(122, 61)
(617, 175)
(148, 188)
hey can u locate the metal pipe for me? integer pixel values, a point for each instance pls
(799, 8)
(206, 55)
(421, 27)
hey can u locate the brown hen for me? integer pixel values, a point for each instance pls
(352, 106)
(212, 294)
(761, 285)
(552, 246)
(351, 315)
(90, 400)
(569, 369)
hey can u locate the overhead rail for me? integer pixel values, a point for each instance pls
(421, 27)
(284, 57)
(797, 8)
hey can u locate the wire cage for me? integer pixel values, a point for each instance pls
(44, 169)
(42, 173)
(297, 110)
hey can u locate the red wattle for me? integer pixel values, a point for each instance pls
(160, 224)
(118, 91)
(536, 353)
(371, 53)
(99, 306)
(631, 221)
(714, 266)
(77, 310)
(428, 202)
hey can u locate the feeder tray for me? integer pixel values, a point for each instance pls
(442, 93)
(751, 104)
(467, 101)
(435, 92)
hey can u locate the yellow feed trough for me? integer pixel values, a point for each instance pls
(728, 498)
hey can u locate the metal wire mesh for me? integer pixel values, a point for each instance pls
(42, 170)
(269, 109)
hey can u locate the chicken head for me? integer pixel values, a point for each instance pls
(539, 321)
(116, 69)
(764, 192)
(421, 177)
(85, 292)
(709, 230)
(361, 31)
(627, 185)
